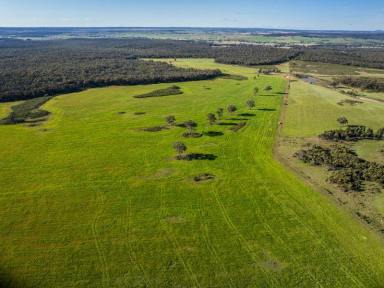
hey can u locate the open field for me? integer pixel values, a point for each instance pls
(314, 109)
(328, 72)
(89, 199)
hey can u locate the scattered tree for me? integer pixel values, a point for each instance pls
(256, 91)
(220, 113)
(268, 88)
(232, 109)
(180, 147)
(171, 120)
(342, 120)
(251, 104)
(190, 125)
(211, 118)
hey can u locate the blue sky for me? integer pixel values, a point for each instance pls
(301, 14)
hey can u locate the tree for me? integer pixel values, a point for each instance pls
(220, 112)
(171, 120)
(251, 104)
(342, 120)
(256, 90)
(190, 125)
(180, 147)
(232, 108)
(211, 118)
(268, 88)
(380, 134)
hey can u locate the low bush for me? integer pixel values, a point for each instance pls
(348, 170)
(26, 111)
(196, 156)
(352, 133)
(173, 90)
(155, 129)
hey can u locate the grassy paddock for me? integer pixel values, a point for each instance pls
(90, 200)
(313, 109)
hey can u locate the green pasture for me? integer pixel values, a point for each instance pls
(312, 109)
(89, 199)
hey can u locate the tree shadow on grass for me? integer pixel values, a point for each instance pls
(247, 114)
(267, 109)
(192, 135)
(268, 95)
(238, 119)
(155, 129)
(196, 156)
(213, 133)
(227, 124)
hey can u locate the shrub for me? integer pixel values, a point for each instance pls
(211, 118)
(231, 108)
(347, 170)
(180, 147)
(171, 120)
(220, 113)
(342, 120)
(190, 125)
(251, 104)
(173, 90)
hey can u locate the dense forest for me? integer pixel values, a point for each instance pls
(31, 69)
(253, 55)
(30, 72)
(371, 58)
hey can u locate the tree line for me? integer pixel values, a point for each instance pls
(30, 73)
(371, 58)
(31, 69)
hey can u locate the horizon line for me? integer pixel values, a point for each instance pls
(188, 27)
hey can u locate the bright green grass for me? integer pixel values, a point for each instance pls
(96, 202)
(313, 109)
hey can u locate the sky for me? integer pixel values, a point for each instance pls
(290, 14)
